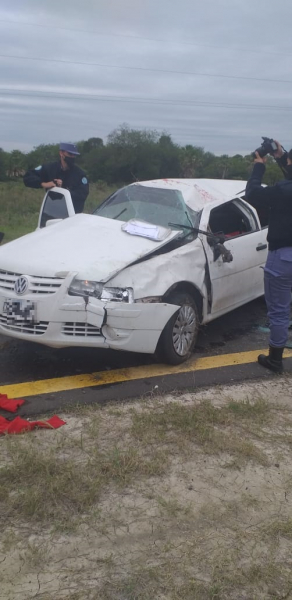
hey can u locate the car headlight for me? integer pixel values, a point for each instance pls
(85, 288)
(117, 294)
(100, 291)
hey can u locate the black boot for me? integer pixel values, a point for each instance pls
(273, 361)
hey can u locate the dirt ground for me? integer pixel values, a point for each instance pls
(165, 498)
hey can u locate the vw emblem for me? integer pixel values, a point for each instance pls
(21, 285)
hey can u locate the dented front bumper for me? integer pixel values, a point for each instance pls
(61, 320)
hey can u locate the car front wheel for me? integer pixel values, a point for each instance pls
(179, 335)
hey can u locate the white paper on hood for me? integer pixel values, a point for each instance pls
(148, 230)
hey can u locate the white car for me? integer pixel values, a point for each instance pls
(137, 274)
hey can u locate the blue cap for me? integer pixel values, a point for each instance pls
(69, 148)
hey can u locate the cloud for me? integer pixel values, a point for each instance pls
(223, 38)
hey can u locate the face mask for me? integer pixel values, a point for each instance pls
(70, 161)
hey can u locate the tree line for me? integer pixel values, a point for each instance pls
(136, 155)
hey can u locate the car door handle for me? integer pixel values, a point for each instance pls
(262, 247)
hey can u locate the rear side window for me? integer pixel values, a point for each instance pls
(55, 207)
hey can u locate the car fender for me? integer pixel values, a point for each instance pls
(155, 276)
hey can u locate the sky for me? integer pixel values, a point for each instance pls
(213, 74)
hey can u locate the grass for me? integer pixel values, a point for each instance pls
(47, 485)
(172, 507)
(20, 206)
(204, 425)
(35, 555)
(279, 527)
(136, 503)
(38, 485)
(271, 582)
(257, 411)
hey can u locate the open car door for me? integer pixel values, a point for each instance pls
(237, 282)
(57, 205)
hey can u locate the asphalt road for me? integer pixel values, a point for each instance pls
(241, 331)
(27, 361)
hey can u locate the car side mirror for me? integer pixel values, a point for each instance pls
(216, 241)
(220, 250)
(1, 236)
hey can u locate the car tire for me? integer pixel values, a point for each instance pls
(180, 333)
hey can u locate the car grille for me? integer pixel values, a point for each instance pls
(22, 326)
(37, 285)
(80, 330)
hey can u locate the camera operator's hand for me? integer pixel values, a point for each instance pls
(259, 159)
(279, 152)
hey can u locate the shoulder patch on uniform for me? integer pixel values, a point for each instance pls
(38, 168)
(84, 180)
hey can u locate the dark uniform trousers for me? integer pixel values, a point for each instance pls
(278, 268)
(278, 284)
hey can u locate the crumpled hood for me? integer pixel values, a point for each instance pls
(94, 247)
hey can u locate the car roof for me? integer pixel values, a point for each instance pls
(198, 192)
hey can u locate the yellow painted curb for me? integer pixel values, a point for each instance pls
(61, 384)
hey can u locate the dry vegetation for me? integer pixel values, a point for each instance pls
(183, 497)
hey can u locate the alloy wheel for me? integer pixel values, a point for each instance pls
(184, 329)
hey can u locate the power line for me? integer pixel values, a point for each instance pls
(139, 100)
(140, 37)
(146, 69)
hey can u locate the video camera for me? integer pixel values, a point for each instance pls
(268, 146)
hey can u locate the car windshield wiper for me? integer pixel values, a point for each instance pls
(120, 213)
(190, 227)
(181, 226)
(215, 240)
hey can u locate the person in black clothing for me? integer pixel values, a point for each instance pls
(63, 173)
(278, 268)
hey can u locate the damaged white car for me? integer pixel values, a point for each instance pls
(152, 263)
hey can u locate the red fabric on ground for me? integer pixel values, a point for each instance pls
(19, 425)
(10, 405)
(3, 425)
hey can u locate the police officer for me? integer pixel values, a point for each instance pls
(62, 173)
(278, 268)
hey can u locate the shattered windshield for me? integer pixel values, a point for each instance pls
(159, 206)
